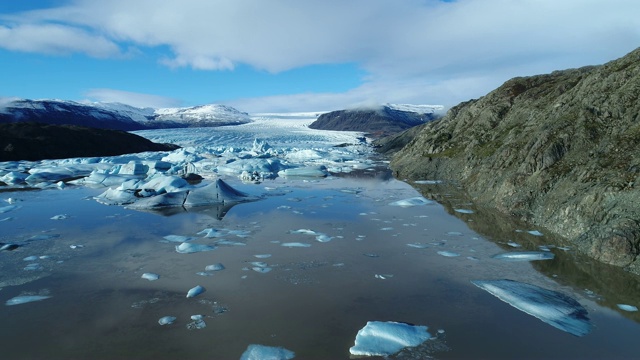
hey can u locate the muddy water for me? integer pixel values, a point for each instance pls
(312, 302)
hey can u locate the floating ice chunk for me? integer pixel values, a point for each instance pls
(230, 243)
(552, 307)
(262, 352)
(197, 323)
(43, 237)
(379, 338)
(76, 246)
(524, 256)
(7, 208)
(448, 253)
(214, 267)
(211, 233)
(626, 307)
(259, 264)
(454, 233)
(324, 238)
(33, 267)
(30, 258)
(303, 231)
(295, 244)
(418, 246)
(262, 256)
(262, 270)
(166, 320)
(428, 182)
(309, 171)
(535, 233)
(177, 238)
(25, 299)
(188, 248)
(150, 276)
(195, 291)
(383, 276)
(60, 217)
(463, 211)
(514, 244)
(415, 201)
(386, 228)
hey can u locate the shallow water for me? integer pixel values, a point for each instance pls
(381, 263)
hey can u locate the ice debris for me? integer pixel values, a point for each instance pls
(195, 291)
(524, 256)
(463, 211)
(166, 320)
(626, 307)
(448, 253)
(415, 201)
(552, 307)
(262, 352)
(150, 276)
(188, 248)
(214, 267)
(177, 238)
(197, 323)
(295, 244)
(25, 299)
(379, 338)
(535, 233)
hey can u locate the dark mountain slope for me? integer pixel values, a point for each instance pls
(31, 141)
(560, 150)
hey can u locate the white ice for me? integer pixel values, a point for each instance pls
(524, 256)
(552, 307)
(262, 352)
(150, 276)
(379, 338)
(25, 299)
(415, 201)
(626, 307)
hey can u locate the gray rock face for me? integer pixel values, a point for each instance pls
(560, 150)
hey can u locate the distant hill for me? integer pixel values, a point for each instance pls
(118, 116)
(559, 150)
(383, 121)
(31, 141)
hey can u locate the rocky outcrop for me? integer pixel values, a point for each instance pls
(375, 122)
(560, 150)
(31, 141)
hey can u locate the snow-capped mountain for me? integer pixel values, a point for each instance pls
(118, 116)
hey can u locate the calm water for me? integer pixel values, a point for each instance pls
(313, 301)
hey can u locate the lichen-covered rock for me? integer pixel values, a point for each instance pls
(560, 150)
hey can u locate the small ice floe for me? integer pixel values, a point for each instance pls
(5, 209)
(178, 238)
(211, 233)
(229, 243)
(448, 253)
(295, 244)
(166, 320)
(33, 267)
(463, 211)
(261, 267)
(25, 299)
(76, 246)
(418, 246)
(428, 182)
(6, 219)
(514, 244)
(320, 237)
(60, 217)
(197, 323)
(388, 228)
(189, 248)
(262, 256)
(150, 276)
(262, 352)
(454, 233)
(524, 256)
(324, 238)
(195, 291)
(535, 233)
(414, 201)
(214, 267)
(552, 307)
(380, 338)
(8, 247)
(626, 307)
(30, 258)
(383, 276)
(43, 237)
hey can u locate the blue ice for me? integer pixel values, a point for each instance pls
(25, 299)
(552, 307)
(262, 352)
(379, 338)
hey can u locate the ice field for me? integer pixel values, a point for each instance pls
(270, 240)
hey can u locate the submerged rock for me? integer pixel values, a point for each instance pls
(552, 307)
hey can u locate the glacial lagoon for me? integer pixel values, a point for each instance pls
(310, 269)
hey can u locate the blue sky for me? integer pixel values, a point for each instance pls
(291, 55)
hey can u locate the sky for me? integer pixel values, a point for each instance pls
(298, 55)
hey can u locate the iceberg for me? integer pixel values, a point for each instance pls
(524, 256)
(379, 338)
(166, 320)
(25, 299)
(195, 291)
(414, 201)
(552, 307)
(262, 352)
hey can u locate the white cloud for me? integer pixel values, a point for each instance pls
(426, 46)
(131, 98)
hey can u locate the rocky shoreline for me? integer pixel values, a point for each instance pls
(559, 150)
